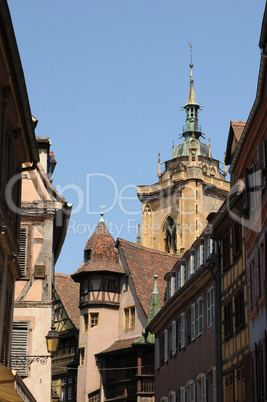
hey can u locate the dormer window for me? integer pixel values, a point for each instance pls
(87, 254)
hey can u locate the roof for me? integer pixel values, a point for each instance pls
(143, 263)
(236, 130)
(103, 255)
(69, 292)
(120, 344)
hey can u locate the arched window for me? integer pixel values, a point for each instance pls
(170, 235)
(147, 210)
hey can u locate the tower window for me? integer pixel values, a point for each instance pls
(170, 236)
(94, 319)
(87, 254)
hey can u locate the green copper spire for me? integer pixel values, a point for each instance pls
(154, 308)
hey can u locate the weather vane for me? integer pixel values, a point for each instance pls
(102, 213)
(191, 50)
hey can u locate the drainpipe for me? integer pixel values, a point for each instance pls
(213, 262)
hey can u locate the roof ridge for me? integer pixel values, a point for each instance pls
(147, 248)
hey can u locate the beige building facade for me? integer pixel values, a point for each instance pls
(44, 222)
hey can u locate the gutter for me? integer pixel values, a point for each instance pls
(19, 77)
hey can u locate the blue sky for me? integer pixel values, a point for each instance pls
(106, 79)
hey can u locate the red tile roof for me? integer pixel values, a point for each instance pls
(120, 344)
(142, 264)
(69, 293)
(238, 127)
(103, 256)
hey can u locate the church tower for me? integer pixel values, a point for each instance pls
(192, 185)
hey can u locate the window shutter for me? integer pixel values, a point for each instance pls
(185, 326)
(193, 322)
(249, 304)
(182, 331)
(157, 353)
(251, 182)
(200, 316)
(173, 338)
(19, 347)
(172, 284)
(201, 256)
(261, 153)
(166, 345)
(23, 244)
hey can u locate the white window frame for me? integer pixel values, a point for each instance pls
(202, 387)
(166, 345)
(64, 394)
(173, 284)
(192, 264)
(183, 274)
(183, 394)
(174, 338)
(70, 393)
(190, 391)
(178, 279)
(201, 254)
(210, 306)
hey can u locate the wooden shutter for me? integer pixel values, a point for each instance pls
(166, 352)
(157, 353)
(193, 322)
(23, 244)
(248, 377)
(174, 338)
(20, 347)
(183, 330)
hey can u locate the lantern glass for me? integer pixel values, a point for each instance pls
(52, 340)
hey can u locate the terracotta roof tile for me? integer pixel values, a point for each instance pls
(69, 293)
(120, 344)
(143, 263)
(238, 127)
(103, 256)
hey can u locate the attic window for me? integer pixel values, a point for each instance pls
(87, 254)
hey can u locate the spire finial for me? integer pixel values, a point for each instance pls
(102, 213)
(159, 172)
(138, 239)
(173, 149)
(191, 54)
(209, 149)
(155, 291)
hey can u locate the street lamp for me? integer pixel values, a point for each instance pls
(52, 341)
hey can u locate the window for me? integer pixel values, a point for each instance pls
(251, 183)
(229, 388)
(262, 162)
(237, 238)
(73, 349)
(239, 310)
(199, 316)
(170, 235)
(57, 316)
(94, 319)
(172, 396)
(214, 383)
(85, 319)
(129, 318)
(63, 394)
(64, 381)
(226, 250)
(84, 287)
(182, 394)
(20, 347)
(190, 388)
(23, 245)
(111, 285)
(94, 397)
(183, 330)
(201, 388)
(69, 393)
(178, 280)
(228, 321)
(82, 354)
(87, 255)
(70, 380)
(210, 306)
(240, 376)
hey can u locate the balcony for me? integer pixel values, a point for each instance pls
(60, 363)
(143, 385)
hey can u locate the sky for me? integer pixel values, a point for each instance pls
(106, 79)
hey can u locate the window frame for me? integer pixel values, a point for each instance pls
(210, 306)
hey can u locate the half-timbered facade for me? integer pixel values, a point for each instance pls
(67, 322)
(44, 222)
(116, 283)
